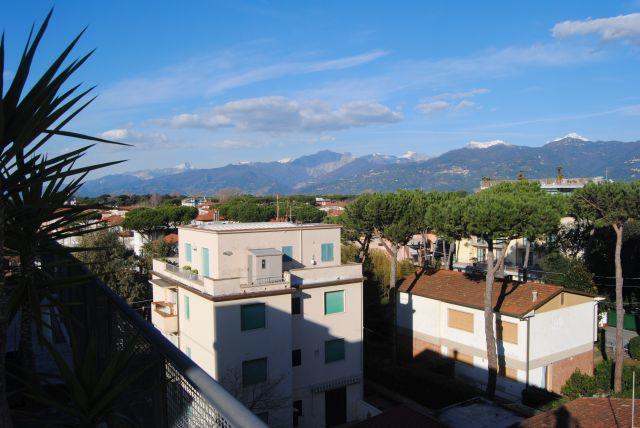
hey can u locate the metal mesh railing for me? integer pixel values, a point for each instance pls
(174, 392)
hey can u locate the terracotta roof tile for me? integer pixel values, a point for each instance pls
(586, 412)
(509, 298)
(171, 238)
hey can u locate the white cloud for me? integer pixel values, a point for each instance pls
(238, 144)
(281, 114)
(447, 101)
(457, 95)
(433, 106)
(465, 104)
(194, 77)
(140, 140)
(614, 28)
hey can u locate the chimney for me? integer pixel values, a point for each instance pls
(534, 295)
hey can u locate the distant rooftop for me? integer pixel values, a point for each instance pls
(550, 184)
(237, 227)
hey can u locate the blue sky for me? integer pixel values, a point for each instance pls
(212, 83)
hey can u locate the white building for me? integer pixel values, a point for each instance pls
(268, 310)
(544, 332)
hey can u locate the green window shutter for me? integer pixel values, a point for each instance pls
(254, 371)
(205, 262)
(187, 309)
(252, 316)
(333, 302)
(188, 352)
(326, 252)
(333, 350)
(187, 252)
(287, 253)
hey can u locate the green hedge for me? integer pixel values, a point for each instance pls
(634, 348)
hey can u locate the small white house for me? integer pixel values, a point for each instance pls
(544, 332)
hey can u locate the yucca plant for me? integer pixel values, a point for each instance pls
(34, 188)
(90, 390)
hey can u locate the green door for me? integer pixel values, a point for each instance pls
(205, 261)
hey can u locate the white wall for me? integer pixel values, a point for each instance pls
(562, 330)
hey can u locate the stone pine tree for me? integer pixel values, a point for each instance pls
(498, 215)
(445, 220)
(359, 222)
(611, 205)
(395, 224)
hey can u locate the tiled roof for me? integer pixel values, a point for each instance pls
(113, 220)
(586, 412)
(208, 216)
(171, 238)
(509, 298)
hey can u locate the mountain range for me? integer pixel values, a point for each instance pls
(329, 172)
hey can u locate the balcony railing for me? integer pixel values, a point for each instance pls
(177, 392)
(186, 274)
(267, 280)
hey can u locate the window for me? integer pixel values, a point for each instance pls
(187, 309)
(296, 357)
(287, 253)
(188, 352)
(297, 411)
(327, 252)
(333, 302)
(252, 316)
(507, 332)
(481, 255)
(460, 320)
(333, 350)
(264, 263)
(295, 305)
(187, 252)
(254, 371)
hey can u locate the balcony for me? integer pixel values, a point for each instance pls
(175, 392)
(165, 317)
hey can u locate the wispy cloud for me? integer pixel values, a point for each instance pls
(283, 115)
(194, 77)
(622, 27)
(449, 101)
(139, 140)
(410, 75)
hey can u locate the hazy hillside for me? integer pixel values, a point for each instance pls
(330, 172)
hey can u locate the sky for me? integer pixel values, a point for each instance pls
(212, 83)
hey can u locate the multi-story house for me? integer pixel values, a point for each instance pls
(544, 332)
(269, 311)
(470, 253)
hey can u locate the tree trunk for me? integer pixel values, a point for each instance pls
(424, 250)
(5, 416)
(392, 300)
(525, 263)
(444, 254)
(492, 354)
(617, 378)
(449, 256)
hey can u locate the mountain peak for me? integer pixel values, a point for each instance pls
(414, 156)
(570, 136)
(486, 144)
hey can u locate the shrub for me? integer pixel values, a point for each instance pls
(634, 348)
(186, 267)
(604, 375)
(580, 385)
(538, 397)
